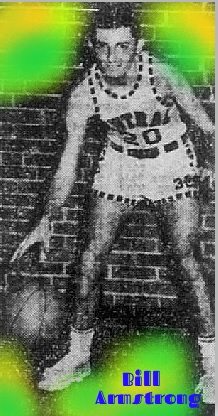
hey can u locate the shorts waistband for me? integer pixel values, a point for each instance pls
(148, 201)
(145, 153)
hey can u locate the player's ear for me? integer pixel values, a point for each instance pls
(140, 45)
(90, 51)
(90, 43)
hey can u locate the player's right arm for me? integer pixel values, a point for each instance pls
(78, 112)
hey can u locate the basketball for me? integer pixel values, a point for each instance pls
(34, 313)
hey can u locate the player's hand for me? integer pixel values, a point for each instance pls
(211, 131)
(40, 234)
(208, 173)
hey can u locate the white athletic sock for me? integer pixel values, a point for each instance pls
(207, 350)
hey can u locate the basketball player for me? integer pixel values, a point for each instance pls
(147, 156)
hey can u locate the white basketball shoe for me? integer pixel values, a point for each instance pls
(74, 366)
(206, 385)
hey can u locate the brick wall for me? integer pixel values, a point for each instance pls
(32, 137)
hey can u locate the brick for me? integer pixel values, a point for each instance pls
(107, 300)
(149, 303)
(209, 249)
(21, 116)
(208, 235)
(179, 16)
(19, 200)
(209, 64)
(210, 76)
(137, 259)
(202, 92)
(29, 132)
(39, 159)
(179, 7)
(51, 268)
(134, 272)
(56, 213)
(166, 45)
(83, 175)
(6, 100)
(60, 283)
(164, 274)
(140, 218)
(47, 86)
(9, 144)
(14, 226)
(75, 15)
(45, 172)
(210, 6)
(75, 215)
(136, 244)
(32, 187)
(18, 172)
(56, 242)
(39, 101)
(74, 200)
(58, 256)
(65, 228)
(209, 264)
(72, 242)
(194, 77)
(210, 109)
(151, 259)
(14, 213)
(6, 128)
(185, 64)
(147, 32)
(209, 221)
(9, 186)
(19, 144)
(169, 303)
(132, 230)
(138, 287)
(10, 239)
(13, 158)
(70, 270)
(149, 17)
(80, 188)
(86, 159)
(122, 259)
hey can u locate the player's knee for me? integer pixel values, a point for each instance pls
(183, 249)
(89, 266)
(186, 244)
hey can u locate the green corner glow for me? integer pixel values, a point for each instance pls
(184, 35)
(38, 44)
(17, 396)
(168, 354)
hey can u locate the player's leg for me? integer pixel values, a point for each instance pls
(104, 219)
(183, 221)
(103, 225)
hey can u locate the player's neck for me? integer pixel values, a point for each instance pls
(116, 81)
(125, 80)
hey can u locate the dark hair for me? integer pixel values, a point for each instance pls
(115, 15)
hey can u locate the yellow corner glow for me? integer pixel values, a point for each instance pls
(38, 42)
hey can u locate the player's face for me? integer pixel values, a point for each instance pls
(115, 49)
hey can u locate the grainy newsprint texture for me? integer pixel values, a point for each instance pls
(107, 214)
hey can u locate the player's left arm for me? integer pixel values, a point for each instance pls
(195, 110)
(193, 107)
(186, 98)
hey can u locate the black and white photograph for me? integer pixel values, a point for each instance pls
(107, 202)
